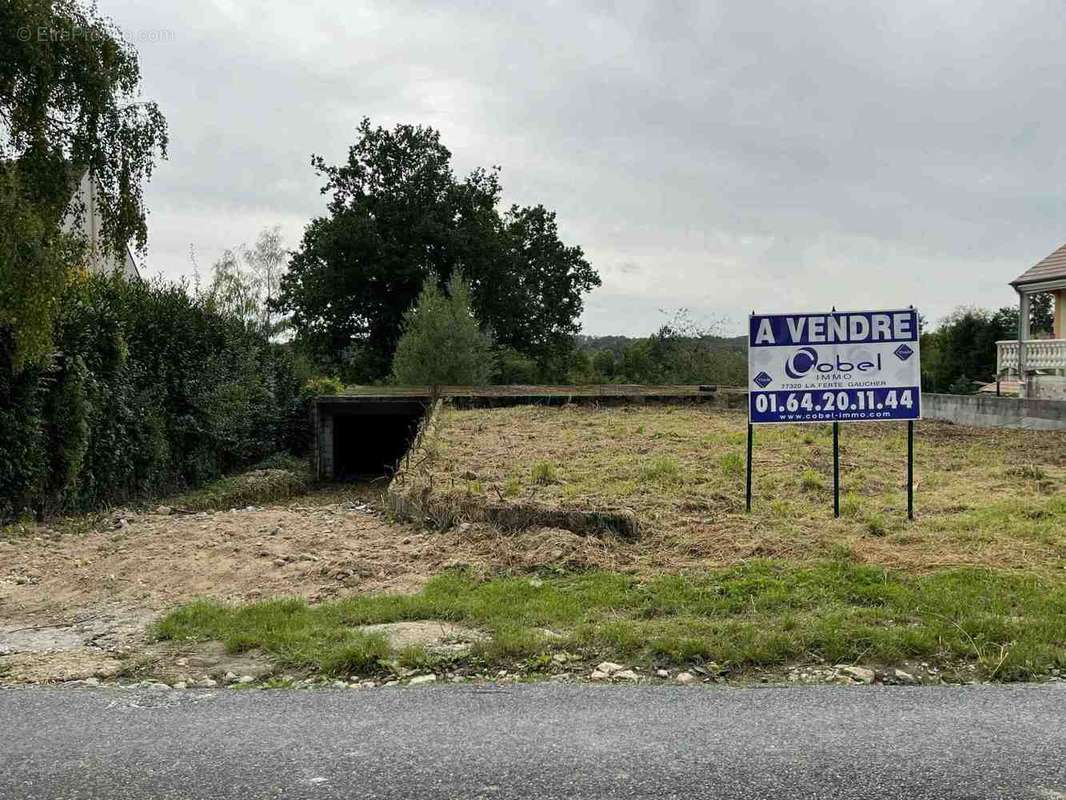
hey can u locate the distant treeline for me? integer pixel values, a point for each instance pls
(668, 356)
(960, 353)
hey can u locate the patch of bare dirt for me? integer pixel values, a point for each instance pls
(41, 647)
(70, 599)
(157, 561)
(153, 561)
(193, 662)
(76, 663)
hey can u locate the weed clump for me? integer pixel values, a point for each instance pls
(544, 474)
(257, 487)
(876, 524)
(1029, 472)
(359, 653)
(731, 464)
(662, 470)
(811, 481)
(849, 506)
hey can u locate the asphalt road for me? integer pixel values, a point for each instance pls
(535, 741)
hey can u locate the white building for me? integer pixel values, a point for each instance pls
(83, 215)
(1041, 363)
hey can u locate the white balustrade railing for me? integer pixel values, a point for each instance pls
(1039, 354)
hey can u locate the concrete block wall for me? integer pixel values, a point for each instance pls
(1047, 387)
(995, 412)
(324, 435)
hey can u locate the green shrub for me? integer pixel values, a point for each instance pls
(514, 368)
(321, 385)
(962, 385)
(150, 391)
(67, 427)
(441, 342)
(23, 446)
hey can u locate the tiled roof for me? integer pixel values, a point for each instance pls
(1052, 268)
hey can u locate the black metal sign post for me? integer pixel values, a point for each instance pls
(751, 428)
(836, 469)
(910, 469)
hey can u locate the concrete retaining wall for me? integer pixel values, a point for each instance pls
(995, 412)
(1047, 387)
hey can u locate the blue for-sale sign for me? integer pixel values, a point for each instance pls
(851, 366)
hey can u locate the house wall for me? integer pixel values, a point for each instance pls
(83, 216)
(1060, 313)
(995, 412)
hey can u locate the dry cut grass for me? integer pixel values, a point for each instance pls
(984, 497)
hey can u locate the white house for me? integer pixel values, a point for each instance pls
(1042, 362)
(83, 215)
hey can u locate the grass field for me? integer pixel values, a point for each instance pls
(984, 497)
(975, 586)
(982, 623)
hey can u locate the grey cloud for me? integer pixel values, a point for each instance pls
(738, 154)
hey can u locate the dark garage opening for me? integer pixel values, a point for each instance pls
(370, 444)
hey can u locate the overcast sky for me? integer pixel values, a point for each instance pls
(723, 156)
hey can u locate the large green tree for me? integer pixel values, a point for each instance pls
(69, 102)
(399, 218)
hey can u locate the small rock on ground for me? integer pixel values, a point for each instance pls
(858, 674)
(903, 677)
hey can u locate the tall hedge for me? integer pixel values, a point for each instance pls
(149, 390)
